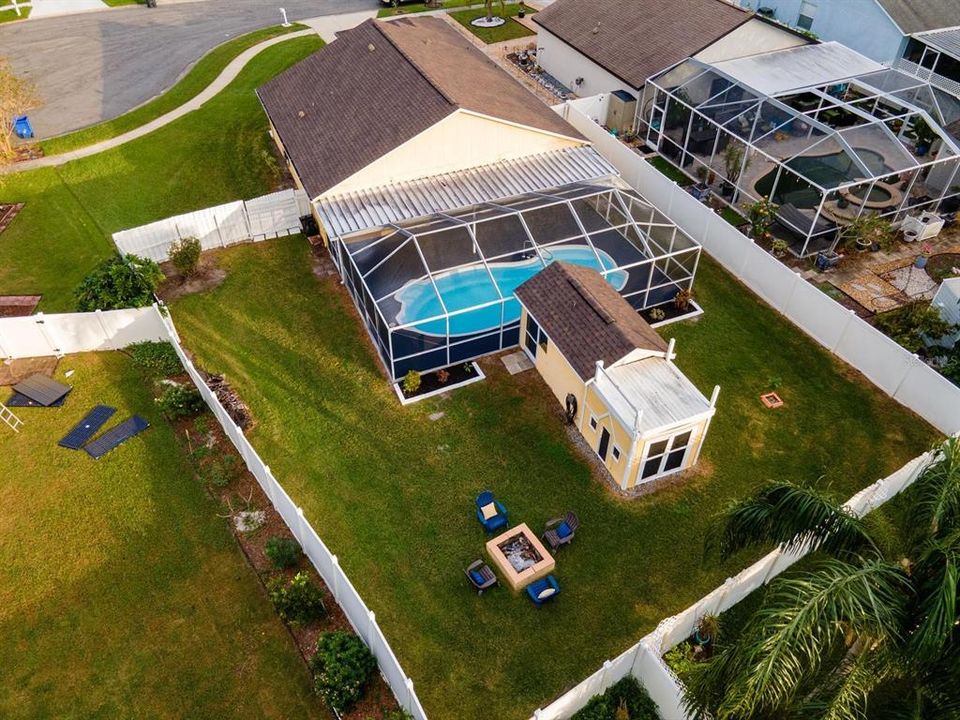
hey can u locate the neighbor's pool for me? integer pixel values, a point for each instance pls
(826, 170)
(469, 287)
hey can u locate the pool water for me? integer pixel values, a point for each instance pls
(877, 193)
(471, 286)
(828, 171)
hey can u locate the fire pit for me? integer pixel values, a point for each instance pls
(520, 556)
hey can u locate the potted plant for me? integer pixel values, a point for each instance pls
(761, 215)
(779, 247)
(926, 250)
(868, 231)
(733, 165)
(922, 135)
(522, 10)
(707, 630)
(682, 299)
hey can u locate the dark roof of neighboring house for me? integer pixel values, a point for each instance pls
(380, 84)
(638, 38)
(913, 16)
(585, 317)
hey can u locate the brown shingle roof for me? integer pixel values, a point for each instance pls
(585, 317)
(637, 38)
(379, 85)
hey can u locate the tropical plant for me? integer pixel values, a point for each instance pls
(867, 231)
(921, 133)
(733, 162)
(853, 628)
(342, 666)
(626, 698)
(913, 325)
(761, 214)
(682, 299)
(119, 282)
(185, 255)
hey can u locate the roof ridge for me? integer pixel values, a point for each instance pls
(423, 73)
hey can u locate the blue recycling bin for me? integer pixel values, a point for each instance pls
(22, 127)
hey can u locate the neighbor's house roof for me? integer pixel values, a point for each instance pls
(585, 318)
(805, 66)
(380, 84)
(634, 39)
(913, 16)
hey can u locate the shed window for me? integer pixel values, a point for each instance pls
(808, 11)
(593, 423)
(666, 455)
(616, 453)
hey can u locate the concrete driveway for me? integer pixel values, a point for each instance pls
(98, 65)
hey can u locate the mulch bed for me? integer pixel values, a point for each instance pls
(430, 382)
(670, 312)
(18, 305)
(15, 371)
(8, 213)
(175, 285)
(941, 266)
(239, 490)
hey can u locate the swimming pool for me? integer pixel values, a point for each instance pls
(471, 286)
(826, 170)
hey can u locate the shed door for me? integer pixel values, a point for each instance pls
(604, 444)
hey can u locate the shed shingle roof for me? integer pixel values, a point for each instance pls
(635, 39)
(585, 317)
(381, 84)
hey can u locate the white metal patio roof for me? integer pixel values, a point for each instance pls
(654, 388)
(805, 66)
(356, 211)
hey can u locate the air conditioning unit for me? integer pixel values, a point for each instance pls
(621, 111)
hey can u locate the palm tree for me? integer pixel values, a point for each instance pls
(853, 633)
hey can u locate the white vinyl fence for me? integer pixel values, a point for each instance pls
(362, 619)
(265, 217)
(43, 335)
(644, 660)
(899, 373)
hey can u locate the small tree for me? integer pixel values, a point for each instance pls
(733, 163)
(488, 4)
(119, 282)
(185, 255)
(866, 231)
(17, 96)
(912, 325)
(761, 214)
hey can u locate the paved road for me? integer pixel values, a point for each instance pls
(98, 65)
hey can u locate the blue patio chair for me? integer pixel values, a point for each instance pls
(495, 521)
(540, 591)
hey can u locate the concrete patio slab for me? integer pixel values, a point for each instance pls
(516, 362)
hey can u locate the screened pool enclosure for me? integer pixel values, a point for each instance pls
(826, 151)
(439, 290)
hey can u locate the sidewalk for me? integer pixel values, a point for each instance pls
(51, 8)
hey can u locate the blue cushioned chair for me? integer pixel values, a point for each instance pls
(540, 591)
(495, 522)
(560, 531)
(480, 576)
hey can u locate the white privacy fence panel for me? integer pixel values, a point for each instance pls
(269, 216)
(893, 369)
(647, 664)
(360, 616)
(43, 335)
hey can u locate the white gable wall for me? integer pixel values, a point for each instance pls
(460, 141)
(751, 38)
(567, 64)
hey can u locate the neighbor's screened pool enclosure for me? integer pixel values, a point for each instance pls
(880, 143)
(440, 290)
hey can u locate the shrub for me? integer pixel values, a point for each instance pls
(411, 382)
(626, 694)
(762, 213)
(283, 552)
(868, 230)
(157, 359)
(299, 602)
(911, 324)
(185, 255)
(119, 282)
(180, 401)
(342, 666)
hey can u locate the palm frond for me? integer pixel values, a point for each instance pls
(802, 620)
(937, 574)
(936, 493)
(860, 673)
(792, 516)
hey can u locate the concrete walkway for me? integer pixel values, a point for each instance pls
(229, 73)
(52, 8)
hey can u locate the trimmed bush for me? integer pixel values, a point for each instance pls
(180, 401)
(299, 602)
(626, 694)
(185, 255)
(156, 359)
(119, 282)
(283, 552)
(342, 666)
(411, 382)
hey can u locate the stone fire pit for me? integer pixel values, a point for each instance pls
(519, 556)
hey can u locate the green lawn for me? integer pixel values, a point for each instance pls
(219, 153)
(411, 8)
(510, 30)
(199, 77)
(391, 492)
(122, 594)
(118, 3)
(671, 171)
(11, 15)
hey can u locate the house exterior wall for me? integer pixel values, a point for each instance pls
(460, 141)
(595, 405)
(859, 24)
(752, 38)
(567, 64)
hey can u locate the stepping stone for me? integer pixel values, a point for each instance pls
(436, 416)
(516, 362)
